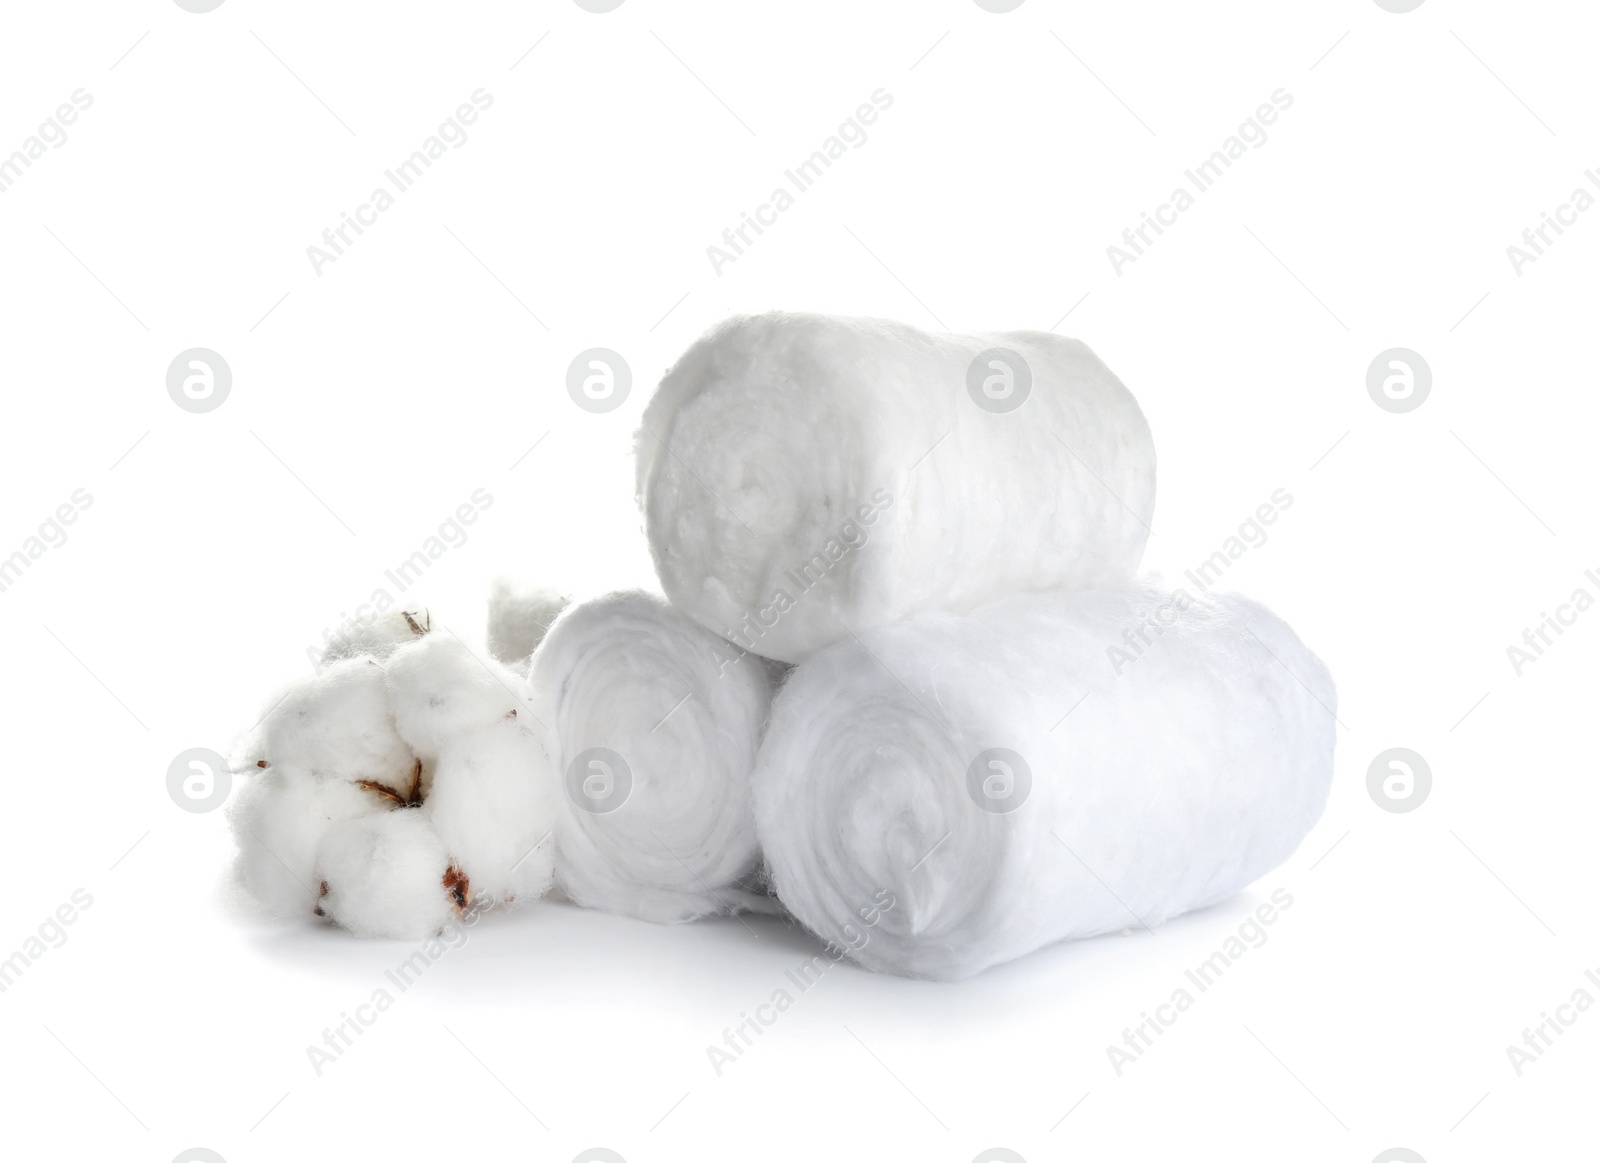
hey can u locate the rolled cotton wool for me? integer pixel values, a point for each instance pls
(656, 722)
(806, 477)
(958, 790)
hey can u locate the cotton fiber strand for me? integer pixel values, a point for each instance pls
(656, 723)
(1045, 767)
(806, 477)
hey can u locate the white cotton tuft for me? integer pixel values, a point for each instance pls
(490, 795)
(493, 802)
(325, 750)
(958, 790)
(806, 477)
(279, 816)
(377, 635)
(432, 734)
(386, 876)
(519, 618)
(336, 723)
(440, 690)
(656, 722)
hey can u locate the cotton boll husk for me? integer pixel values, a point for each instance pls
(279, 816)
(439, 690)
(1154, 781)
(519, 618)
(683, 710)
(494, 805)
(385, 876)
(804, 477)
(377, 635)
(336, 723)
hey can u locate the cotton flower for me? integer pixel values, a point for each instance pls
(325, 750)
(383, 791)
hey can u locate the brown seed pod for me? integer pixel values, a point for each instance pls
(455, 882)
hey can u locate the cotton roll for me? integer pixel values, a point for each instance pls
(805, 477)
(959, 790)
(656, 723)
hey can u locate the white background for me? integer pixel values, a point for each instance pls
(372, 399)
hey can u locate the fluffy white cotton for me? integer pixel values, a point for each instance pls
(519, 617)
(376, 636)
(440, 690)
(490, 797)
(279, 816)
(337, 723)
(494, 806)
(804, 477)
(387, 875)
(367, 781)
(326, 749)
(656, 722)
(959, 790)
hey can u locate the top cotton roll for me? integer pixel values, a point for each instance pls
(807, 477)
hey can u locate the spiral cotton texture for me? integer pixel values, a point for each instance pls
(656, 722)
(1049, 766)
(806, 477)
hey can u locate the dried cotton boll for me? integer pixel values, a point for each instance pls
(494, 806)
(338, 723)
(935, 800)
(807, 477)
(386, 876)
(519, 618)
(279, 816)
(656, 723)
(439, 691)
(337, 797)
